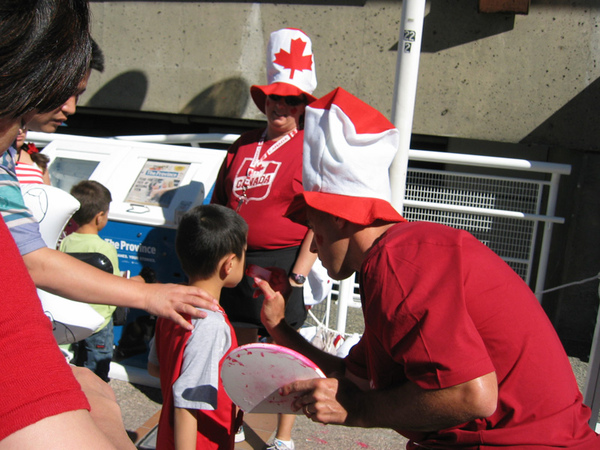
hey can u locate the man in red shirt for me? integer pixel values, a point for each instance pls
(456, 351)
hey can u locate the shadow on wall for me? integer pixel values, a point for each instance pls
(574, 132)
(450, 23)
(126, 91)
(227, 98)
(575, 125)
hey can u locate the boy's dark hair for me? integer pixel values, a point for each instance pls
(94, 198)
(205, 235)
(45, 53)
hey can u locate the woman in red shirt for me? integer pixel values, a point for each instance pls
(259, 178)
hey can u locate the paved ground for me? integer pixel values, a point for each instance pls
(139, 403)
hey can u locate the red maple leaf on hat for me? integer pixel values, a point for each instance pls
(294, 60)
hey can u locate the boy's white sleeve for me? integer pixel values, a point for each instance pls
(198, 384)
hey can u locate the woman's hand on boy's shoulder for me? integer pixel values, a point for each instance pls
(173, 300)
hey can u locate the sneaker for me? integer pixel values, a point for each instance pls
(280, 445)
(240, 436)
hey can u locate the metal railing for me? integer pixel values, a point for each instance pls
(191, 139)
(505, 210)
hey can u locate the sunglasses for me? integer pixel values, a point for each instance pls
(290, 100)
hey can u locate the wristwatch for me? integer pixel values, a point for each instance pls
(298, 278)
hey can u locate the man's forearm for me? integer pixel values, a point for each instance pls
(411, 408)
(285, 335)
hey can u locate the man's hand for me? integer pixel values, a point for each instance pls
(272, 316)
(326, 400)
(172, 300)
(272, 313)
(278, 281)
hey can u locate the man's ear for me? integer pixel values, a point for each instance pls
(345, 227)
(339, 222)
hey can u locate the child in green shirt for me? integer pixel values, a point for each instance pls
(96, 351)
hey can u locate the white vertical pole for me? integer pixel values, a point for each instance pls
(405, 91)
(547, 236)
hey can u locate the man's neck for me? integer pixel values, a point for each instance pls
(367, 237)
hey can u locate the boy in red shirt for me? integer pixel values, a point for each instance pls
(196, 412)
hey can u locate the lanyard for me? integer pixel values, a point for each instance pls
(257, 160)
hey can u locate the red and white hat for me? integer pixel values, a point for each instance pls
(349, 147)
(290, 67)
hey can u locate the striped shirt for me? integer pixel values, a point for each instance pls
(29, 173)
(21, 223)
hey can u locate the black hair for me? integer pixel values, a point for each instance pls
(40, 160)
(205, 235)
(94, 198)
(44, 53)
(97, 62)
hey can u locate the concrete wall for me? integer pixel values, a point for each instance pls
(508, 78)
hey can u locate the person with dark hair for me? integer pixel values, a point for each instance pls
(94, 199)
(34, 46)
(49, 121)
(44, 54)
(32, 166)
(456, 351)
(50, 269)
(197, 413)
(96, 351)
